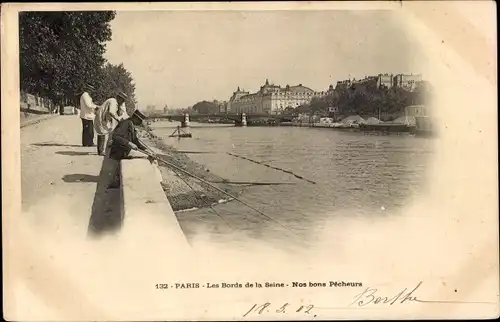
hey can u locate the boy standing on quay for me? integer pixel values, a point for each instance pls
(111, 112)
(123, 140)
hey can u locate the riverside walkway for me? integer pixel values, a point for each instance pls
(59, 177)
(61, 187)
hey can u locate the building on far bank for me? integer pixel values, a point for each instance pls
(405, 81)
(364, 84)
(408, 82)
(343, 85)
(385, 80)
(272, 99)
(416, 111)
(222, 106)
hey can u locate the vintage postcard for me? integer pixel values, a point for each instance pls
(229, 161)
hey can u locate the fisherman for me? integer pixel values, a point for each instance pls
(108, 115)
(123, 140)
(87, 108)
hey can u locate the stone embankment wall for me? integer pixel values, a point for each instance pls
(36, 104)
(33, 105)
(144, 202)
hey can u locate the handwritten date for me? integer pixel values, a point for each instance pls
(283, 309)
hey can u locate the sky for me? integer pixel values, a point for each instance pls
(179, 58)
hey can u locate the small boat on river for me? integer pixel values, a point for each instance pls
(179, 133)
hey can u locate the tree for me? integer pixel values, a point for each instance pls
(112, 79)
(205, 107)
(188, 110)
(304, 108)
(318, 106)
(61, 51)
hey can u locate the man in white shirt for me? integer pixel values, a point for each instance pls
(87, 108)
(107, 117)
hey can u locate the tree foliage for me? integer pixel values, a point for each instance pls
(112, 79)
(368, 100)
(205, 107)
(61, 51)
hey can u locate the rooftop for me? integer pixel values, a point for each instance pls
(298, 89)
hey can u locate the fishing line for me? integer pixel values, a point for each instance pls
(254, 183)
(269, 166)
(211, 207)
(194, 152)
(248, 159)
(196, 192)
(218, 189)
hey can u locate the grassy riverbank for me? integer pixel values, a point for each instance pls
(183, 191)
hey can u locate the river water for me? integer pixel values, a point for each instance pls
(356, 174)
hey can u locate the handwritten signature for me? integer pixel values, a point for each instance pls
(370, 296)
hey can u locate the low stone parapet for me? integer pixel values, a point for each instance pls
(144, 201)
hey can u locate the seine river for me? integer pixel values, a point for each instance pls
(356, 174)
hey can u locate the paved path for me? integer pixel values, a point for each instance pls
(59, 177)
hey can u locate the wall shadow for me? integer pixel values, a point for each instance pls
(75, 153)
(78, 177)
(107, 214)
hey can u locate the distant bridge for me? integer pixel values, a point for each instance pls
(240, 119)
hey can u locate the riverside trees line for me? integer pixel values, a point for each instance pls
(61, 51)
(368, 99)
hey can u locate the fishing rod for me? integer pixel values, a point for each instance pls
(151, 152)
(215, 187)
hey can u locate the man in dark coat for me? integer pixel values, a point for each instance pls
(123, 140)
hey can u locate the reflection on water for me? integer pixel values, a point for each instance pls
(365, 175)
